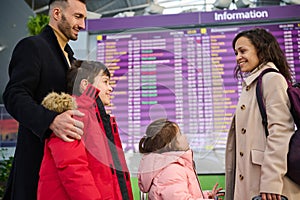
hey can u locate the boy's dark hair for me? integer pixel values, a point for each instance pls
(82, 69)
(268, 50)
(159, 133)
(51, 1)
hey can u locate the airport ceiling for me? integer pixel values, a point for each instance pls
(106, 8)
(113, 8)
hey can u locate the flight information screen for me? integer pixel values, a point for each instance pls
(179, 67)
(185, 75)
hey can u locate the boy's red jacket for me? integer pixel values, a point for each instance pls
(91, 168)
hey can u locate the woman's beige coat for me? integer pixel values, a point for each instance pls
(255, 164)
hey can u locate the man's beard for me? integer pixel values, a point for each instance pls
(66, 29)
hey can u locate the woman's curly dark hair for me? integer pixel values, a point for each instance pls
(268, 50)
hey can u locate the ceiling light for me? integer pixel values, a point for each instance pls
(2, 47)
(221, 4)
(292, 1)
(242, 3)
(154, 9)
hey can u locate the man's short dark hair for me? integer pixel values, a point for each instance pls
(51, 1)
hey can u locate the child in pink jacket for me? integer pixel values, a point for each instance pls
(166, 171)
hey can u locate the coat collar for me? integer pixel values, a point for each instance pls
(62, 40)
(88, 97)
(49, 35)
(256, 72)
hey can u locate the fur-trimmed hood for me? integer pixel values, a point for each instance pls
(59, 102)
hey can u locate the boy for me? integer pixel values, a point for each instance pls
(94, 167)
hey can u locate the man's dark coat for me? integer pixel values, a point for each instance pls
(37, 67)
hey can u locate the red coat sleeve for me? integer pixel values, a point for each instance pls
(72, 165)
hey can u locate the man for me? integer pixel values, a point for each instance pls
(38, 66)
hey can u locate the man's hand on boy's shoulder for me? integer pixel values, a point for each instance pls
(66, 127)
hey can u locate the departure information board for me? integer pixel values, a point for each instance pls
(185, 75)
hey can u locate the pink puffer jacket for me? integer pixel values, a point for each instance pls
(169, 175)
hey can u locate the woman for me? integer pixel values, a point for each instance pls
(256, 164)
